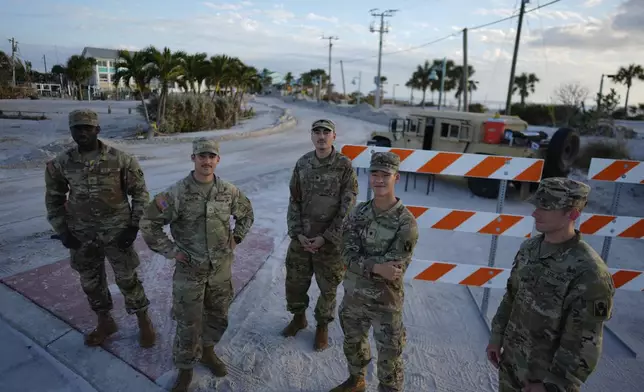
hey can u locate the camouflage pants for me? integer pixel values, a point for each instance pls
(89, 262)
(200, 302)
(300, 267)
(390, 335)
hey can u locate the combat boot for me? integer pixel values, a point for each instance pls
(147, 335)
(183, 381)
(212, 362)
(105, 327)
(299, 322)
(321, 337)
(353, 384)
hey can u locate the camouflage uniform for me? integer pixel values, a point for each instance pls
(199, 216)
(550, 321)
(322, 192)
(374, 237)
(97, 212)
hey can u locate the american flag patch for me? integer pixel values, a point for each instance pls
(162, 202)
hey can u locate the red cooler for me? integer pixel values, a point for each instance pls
(493, 131)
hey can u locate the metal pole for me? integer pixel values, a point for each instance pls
(378, 81)
(613, 211)
(499, 209)
(344, 88)
(466, 76)
(508, 102)
(359, 85)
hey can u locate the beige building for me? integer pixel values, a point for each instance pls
(103, 75)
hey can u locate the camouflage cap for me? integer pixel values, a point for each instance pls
(323, 123)
(560, 193)
(83, 117)
(384, 161)
(201, 145)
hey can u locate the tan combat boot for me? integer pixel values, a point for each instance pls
(212, 362)
(321, 338)
(353, 384)
(299, 322)
(147, 335)
(183, 381)
(105, 327)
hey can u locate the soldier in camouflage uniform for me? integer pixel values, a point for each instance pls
(379, 239)
(547, 332)
(97, 221)
(323, 190)
(208, 218)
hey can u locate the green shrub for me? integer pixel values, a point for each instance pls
(607, 148)
(194, 112)
(478, 108)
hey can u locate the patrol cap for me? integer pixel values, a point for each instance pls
(558, 193)
(384, 161)
(83, 117)
(323, 123)
(202, 144)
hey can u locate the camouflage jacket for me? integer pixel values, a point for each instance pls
(92, 199)
(550, 321)
(200, 225)
(372, 238)
(321, 196)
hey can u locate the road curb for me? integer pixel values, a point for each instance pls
(102, 370)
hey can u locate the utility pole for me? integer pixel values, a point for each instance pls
(508, 102)
(328, 87)
(381, 30)
(466, 75)
(14, 49)
(344, 88)
(44, 59)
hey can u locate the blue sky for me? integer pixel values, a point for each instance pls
(570, 41)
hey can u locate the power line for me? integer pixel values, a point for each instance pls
(515, 15)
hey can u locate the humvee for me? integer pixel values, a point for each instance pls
(480, 133)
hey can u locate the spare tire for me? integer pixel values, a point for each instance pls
(563, 150)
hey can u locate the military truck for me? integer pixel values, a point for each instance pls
(480, 133)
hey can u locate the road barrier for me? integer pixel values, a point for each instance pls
(496, 278)
(620, 172)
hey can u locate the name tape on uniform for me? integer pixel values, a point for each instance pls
(452, 163)
(496, 278)
(616, 170)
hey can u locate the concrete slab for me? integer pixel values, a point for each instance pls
(27, 367)
(56, 288)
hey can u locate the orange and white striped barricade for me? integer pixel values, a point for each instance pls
(620, 172)
(473, 221)
(496, 278)
(501, 168)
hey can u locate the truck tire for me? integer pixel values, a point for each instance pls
(381, 142)
(563, 149)
(484, 187)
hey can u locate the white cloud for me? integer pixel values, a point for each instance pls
(312, 16)
(223, 6)
(592, 3)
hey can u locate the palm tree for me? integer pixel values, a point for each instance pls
(420, 79)
(167, 67)
(288, 80)
(266, 78)
(219, 72)
(79, 69)
(135, 67)
(449, 83)
(457, 76)
(195, 71)
(625, 76)
(525, 84)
